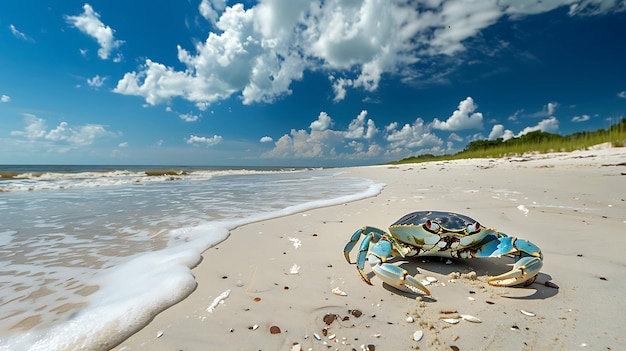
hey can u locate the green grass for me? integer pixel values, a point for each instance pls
(538, 141)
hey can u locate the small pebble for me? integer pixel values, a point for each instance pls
(329, 318)
(274, 329)
(410, 319)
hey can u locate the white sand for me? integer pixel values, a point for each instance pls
(572, 205)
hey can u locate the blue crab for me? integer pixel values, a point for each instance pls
(444, 234)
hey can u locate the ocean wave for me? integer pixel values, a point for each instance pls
(35, 181)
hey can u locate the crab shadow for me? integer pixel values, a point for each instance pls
(483, 267)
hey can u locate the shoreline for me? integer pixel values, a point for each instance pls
(566, 203)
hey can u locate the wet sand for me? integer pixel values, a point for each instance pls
(281, 272)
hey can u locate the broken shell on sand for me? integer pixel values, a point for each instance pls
(451, 320)
(339, 292)
(470, 318)
(418, 335)
(526, 313)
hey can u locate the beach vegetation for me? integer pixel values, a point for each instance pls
(533, 142)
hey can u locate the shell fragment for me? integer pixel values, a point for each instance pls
(451, 320)
(218, 300)
(526, 313)
(339, 292)
(418, 335)
(469, 318)
(294, 269)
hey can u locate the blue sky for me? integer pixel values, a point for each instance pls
(295, 82)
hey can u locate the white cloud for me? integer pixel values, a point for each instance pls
(582, 118)
(358, 129)
(16, 33)
(622, 94)
(455, 137)
(211, 9)
(322, 123)
(37, 130)
(123, 145)
(96, 82)
(551, 107)
(339, 87)
(462, 118)
(256, 53)
(188, 117)
(207, 141)
(413, 136)
(322, 142)
(5, 98)
(549, 125)
(89, 23)
(547, 111)
(516, 115)
(498, 131)
(266, 139)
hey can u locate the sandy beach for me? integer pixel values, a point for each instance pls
(281, 272)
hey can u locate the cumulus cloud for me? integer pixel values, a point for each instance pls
(622, 94)
(324, 142)
(462, 118)
(322, 123)
(89, 23)
(256, 53)
(416, 135)
(549, 125)
(206, 141)
(339, 88)
(360, 129)
(96, 82)
(211, 9)
(5, 98)
(63, 134)
(188, 117)
(498, 131)
(582, 118)
(266, 139)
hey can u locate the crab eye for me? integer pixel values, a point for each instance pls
(473, 227)
(432, 226)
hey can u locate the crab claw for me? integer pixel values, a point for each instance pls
(388, 273)
(398, 278)
(524, 272)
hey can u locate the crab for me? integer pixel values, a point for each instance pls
(446, 234)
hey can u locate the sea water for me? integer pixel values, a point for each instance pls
(88, 255)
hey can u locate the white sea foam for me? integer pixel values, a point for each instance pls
(114, 257)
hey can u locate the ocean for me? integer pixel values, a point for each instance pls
(89, 254)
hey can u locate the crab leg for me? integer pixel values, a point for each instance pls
(388, 273)
(354, 239)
